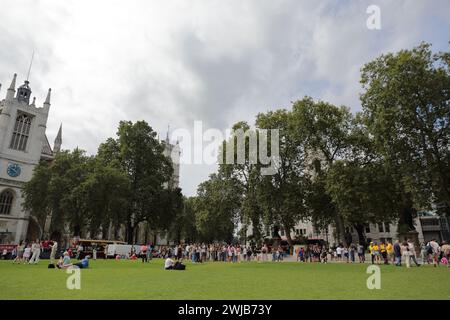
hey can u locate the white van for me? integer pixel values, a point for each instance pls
(122, 250)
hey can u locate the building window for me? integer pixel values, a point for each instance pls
(367, 228)
(21, 132)
(6, 199)
(380, 227)
(387, 227)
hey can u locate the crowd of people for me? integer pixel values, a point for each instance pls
(202, 252)
(380, 253)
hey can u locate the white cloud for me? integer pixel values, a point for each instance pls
(179, 61)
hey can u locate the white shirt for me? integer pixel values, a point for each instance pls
(168, 263)
(434, 245)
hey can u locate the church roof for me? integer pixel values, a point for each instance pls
(46, 149)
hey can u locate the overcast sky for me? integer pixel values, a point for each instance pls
(174, 62)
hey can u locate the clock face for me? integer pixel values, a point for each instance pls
(14, 170)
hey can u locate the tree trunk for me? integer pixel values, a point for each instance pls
(361, 236)
(288, 236)
(340, 230)
(407, 213)
(129, 236)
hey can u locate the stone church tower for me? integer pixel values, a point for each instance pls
(23, 144)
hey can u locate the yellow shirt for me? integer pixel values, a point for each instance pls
(375, 248)
(390, 248)
(371, 249)
(382, 247)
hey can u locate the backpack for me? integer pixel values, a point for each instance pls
(429, 249)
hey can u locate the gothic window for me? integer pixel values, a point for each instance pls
(21, 132)
(6, 199)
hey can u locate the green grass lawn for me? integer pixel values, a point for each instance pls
(136, 280)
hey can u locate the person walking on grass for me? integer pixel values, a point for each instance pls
(36, 250)
(435, 252)
(406, 254)
(445, 249)
(361, 253)
(412, 252)
(54, 247)
(20, 251)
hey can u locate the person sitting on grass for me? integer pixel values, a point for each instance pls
(169, 263)
(64, 262)
(179, 265)
(83, 264)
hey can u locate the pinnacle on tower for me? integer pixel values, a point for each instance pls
(58, 141)
(47, 99)
(11, 89)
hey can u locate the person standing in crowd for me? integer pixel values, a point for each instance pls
(54, 247)
(352, 253)
(376, 252)
(94, 252)
(345, 251)
(36, 250)
(412, 252)
(424, 253)
(372, 254)
(361, 253)
(143, 253)
(339, 253)
(26, 253)
(435, 251)
(397, 253)
(20, 251)
(445, 249)
(79, 251)
(406, 254)
(390, 252)
(383, 252)
(150, 252)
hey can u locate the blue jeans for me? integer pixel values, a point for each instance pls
(398, 261)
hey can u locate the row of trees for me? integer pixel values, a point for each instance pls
(126, 183)
(382, 164)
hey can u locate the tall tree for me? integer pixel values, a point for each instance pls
(406, 101)
(326, 130)
(283, 194)
(216, 208)
(140, 155)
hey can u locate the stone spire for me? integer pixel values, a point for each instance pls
(47, 99)
(11, 89)
(58, 141)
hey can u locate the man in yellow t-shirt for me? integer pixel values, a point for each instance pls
(383, 252)
(390, 251)
(372, 255)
